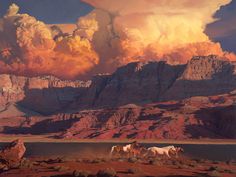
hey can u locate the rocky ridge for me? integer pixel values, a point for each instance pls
(148, 82)
(139, 100)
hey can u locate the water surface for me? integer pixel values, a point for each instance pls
(210, 152)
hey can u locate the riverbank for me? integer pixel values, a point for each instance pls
(49, 139)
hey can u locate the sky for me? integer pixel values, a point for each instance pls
(50, 11)
(224, 30)
(106, 34)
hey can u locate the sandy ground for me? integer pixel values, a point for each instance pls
(46, 138)
(62, 167)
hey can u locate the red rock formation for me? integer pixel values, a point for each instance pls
(13, 153)
(148, 82)
(140, 100)
(203, 76)
(40, 94)
(196, 117)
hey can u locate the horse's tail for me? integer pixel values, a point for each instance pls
(112, 150)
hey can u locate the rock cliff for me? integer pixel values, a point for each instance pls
(44, 95)
(139, 100)
(148, 82)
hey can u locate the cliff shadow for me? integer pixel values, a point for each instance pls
(216, 122)
(48, 101)
(42, 127)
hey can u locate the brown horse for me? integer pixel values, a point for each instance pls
(127, 150)
(122, 151)
(137, 150)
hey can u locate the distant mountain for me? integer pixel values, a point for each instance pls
(139, 100)
(143, 83)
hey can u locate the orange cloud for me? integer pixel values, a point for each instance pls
(113, 34)
(140, 30)
(28, 48)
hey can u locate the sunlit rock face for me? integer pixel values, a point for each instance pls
(41, 94)
(204, 76)
(139, 83)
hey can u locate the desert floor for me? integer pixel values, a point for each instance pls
(122, 167)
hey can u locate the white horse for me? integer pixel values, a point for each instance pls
(164, 151)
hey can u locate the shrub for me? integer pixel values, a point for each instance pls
(25, 163)
(3, 167)
(65, 159)
(155, 162)
(60, 168)
(96, 161)
(132, 160)
(36, 163)
(79, 160)
(230, 162)
(214, 173)
(216, 162)
(51, 161)
(216, 168)
(77, 173)
(200, 160)
(134, 170)
(121, 160)
(109, 172)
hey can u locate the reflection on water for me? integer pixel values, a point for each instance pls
(211, 152)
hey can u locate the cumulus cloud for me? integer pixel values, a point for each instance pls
(87, 26)
(113, 34)
(140, 30)
(29, 47)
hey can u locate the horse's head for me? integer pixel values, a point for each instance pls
(173, 150)
(179, 149)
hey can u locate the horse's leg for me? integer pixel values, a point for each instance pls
(167, 154)
(176, 155)
(155, 155)
(121, 154)
(135, 154)
(127, 155)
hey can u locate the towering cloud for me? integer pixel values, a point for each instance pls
(156, 29)
(116, 32)
(28, 47)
